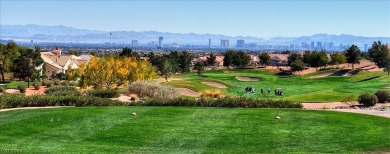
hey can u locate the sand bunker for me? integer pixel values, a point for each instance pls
(338, 73)
(247, 78)
(188, 92)
(215, 84)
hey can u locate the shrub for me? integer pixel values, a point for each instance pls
(383, 96)
(19, 100)
(368, 99)
(2, 89)
(45, 82)
(73, 83)
(103, 93)
(65, 83)
(133, 97)
(37, 85)
(57, 82)
(210, 94)
(49, 84)
(223, 102)
(22, 88)
(153, 90)
(62, 91)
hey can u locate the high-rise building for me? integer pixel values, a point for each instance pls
(160, 42)
(312, 46)
(110, 38)
(331, 45)
(341, 47)
(209, 43)
(134, 43)
(365, 47)
(240, 43)
(319, 46)
(224, 43)
(325, 46)
(291, 46)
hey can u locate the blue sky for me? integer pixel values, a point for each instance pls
(232, 17)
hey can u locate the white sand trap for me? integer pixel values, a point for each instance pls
(215, 84)
(320, 75)
(162, 80)
(247, 78)
(188, 92)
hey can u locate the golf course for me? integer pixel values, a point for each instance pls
(190, 130)
(300, 88)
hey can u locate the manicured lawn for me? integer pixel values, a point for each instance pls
(15, 84)
(296, 88)
(190, 130)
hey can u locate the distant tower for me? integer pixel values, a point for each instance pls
(110, 38)
(365, 47)
(160, 42)
(209, 43)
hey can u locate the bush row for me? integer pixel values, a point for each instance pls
(381, 96)
(223, 102)
(104, 93)
(20, 100)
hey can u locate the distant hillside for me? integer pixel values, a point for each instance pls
(70, 34)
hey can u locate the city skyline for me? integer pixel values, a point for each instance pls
(264, 19)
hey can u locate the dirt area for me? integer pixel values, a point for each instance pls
(215, 84)
(162, 80)
(247, 78)
(28, 108)
(188, 92)
(32, 91)
(122, 98)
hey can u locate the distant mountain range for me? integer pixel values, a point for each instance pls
(64, 34)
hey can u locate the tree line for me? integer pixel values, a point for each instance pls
(378, 53)
(21, 61)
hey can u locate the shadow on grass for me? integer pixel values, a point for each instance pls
(369, 78)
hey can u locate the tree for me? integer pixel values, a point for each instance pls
(228, 59)
(211, 60)
(265, 59)
(166, 69)
(127, 52)
(306, 57)
(379, 53)
(241, 59)
(25, 66)
(297, 66)
(199, 68)
(353, 55)
(185, 61)
(174, 58)
(337, 58)
(317, 59)
(293, 57)
(8, 53)
(74, 52)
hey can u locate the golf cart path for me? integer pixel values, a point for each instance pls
(332, 105)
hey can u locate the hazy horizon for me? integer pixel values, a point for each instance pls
(264, 19)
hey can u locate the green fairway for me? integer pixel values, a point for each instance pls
(296, 88)
(190, 130)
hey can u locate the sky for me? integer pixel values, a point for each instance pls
(263, 18)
